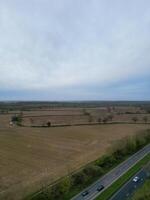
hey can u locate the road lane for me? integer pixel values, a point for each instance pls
(113, 175)
(130, 187)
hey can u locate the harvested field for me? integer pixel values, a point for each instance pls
(33, 157)
(77, 116)
(72, 116)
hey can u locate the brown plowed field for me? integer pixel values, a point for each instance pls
(33, 157)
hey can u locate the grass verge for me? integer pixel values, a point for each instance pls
(123, 179)
(143, 192)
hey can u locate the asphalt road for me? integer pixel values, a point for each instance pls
(113, 175)
(130, 187)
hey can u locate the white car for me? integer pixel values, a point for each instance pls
(136, 179)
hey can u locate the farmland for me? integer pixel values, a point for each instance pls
(40, 117)
(32, 157)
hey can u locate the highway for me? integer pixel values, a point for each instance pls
(113, 175)
(129, 188)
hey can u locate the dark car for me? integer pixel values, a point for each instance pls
(101, 187)
(86, 192)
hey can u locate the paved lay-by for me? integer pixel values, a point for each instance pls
(112, 176)
(133, 184)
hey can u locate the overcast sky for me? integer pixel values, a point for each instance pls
(74, 49)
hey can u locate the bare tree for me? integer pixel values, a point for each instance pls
(109, 109)
(31, 121)
(145, 119)
(85, 112)
(99, 120)
(134, 119)
(48, 123)
(90, 118)
(110, 117)
(105, 120)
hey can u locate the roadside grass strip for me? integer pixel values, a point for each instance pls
(107, 194)
(143, 192)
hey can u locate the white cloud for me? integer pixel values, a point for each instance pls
(50, 44)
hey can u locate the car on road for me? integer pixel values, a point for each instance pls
(136, 179)
(100, 187)
(86, 192)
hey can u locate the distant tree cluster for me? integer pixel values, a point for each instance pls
(145, 119)
(48, 123)
(136, 119)
(106, 119)
(17, 119)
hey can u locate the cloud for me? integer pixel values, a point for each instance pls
(54, 45)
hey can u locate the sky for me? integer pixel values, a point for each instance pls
(74, 50)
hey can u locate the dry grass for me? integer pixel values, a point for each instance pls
(33, 157)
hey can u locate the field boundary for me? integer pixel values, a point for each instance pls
(83, 124)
